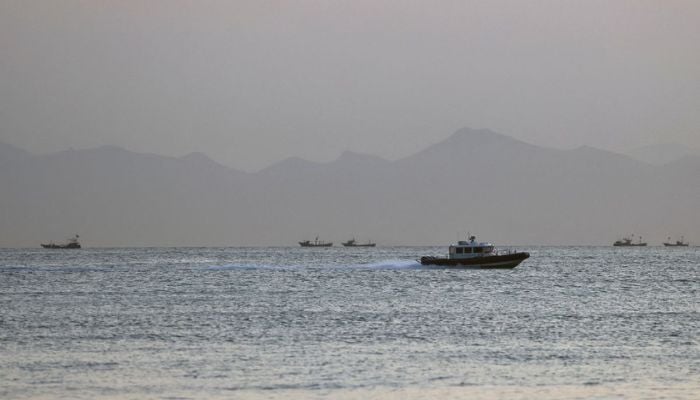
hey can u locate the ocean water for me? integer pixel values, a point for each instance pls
(341, 323)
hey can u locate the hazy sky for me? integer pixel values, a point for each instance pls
(252, 82)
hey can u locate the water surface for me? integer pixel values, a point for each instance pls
(570, 322)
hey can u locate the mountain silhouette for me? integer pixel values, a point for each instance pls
(503, 189)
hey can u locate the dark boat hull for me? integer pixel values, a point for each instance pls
(61, 246)
(315, 244)
(360, 245)
(505, 261)
(676, 245)
(629, 245)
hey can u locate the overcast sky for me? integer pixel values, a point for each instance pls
(253, 82)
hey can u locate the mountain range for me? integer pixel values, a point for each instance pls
(662, 153)
(502, 189)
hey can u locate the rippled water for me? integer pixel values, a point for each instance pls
(570, 322)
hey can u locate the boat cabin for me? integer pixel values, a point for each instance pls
(470, 249)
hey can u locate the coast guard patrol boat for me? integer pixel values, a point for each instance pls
(473, 254)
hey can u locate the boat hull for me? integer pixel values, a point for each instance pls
(61, 246)
(505, 261)
(360, 245)
(629, 245)
(676, 245)
(315, 244)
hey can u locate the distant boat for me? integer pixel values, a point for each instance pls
(72, 243)
(679, 243)
(473, 254)
(627, 242)
(353, 243)
(315, 243)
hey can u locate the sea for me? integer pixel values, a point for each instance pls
(348, 323)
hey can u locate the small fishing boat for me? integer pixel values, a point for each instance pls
(353, 243)
(315, 243)
(473, 254)
(678, 243)
(627, 242)
(72, 243)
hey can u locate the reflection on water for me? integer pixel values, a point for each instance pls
(347, 323)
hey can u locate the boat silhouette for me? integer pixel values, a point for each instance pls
(627, 242)
(315, 243)
(678, 243)
(72, 243)
(353, 243)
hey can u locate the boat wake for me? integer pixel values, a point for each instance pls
(227, 267)
(397, 264)
(391, 264)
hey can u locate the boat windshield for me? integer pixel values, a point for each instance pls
(477, 249)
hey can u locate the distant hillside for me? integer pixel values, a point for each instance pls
(502, 189)
(663, 153)
(11, 154)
